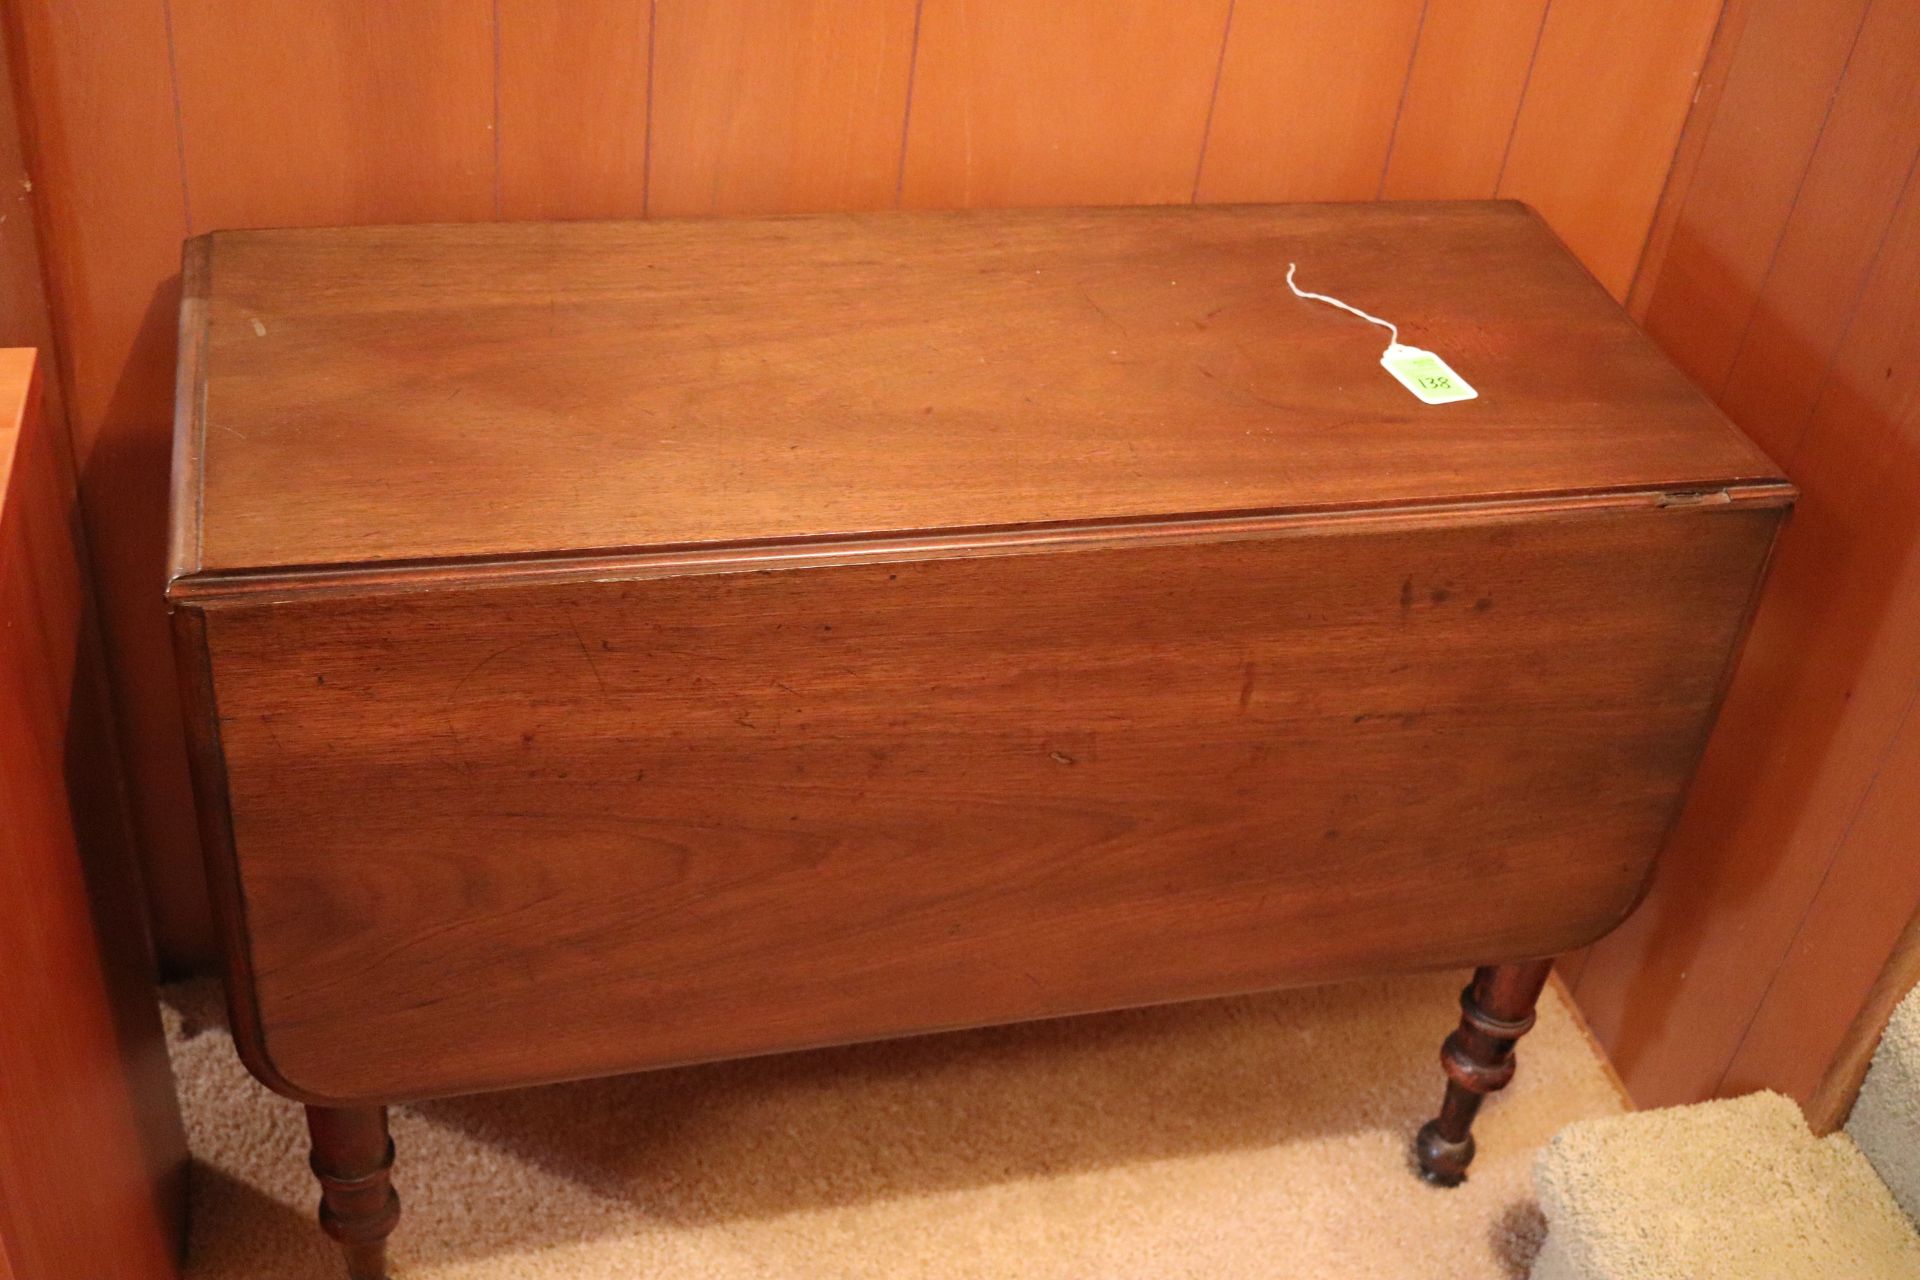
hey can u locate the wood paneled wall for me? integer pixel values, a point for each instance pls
(1784, 276)
(92, 1156)
(149, 120)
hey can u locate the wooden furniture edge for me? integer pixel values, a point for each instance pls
(189, 411)
(201, 257)
(1727, 672)
(190, 599)
(193, 587)
(1628, 307)
(207, 765)
(1513, 205)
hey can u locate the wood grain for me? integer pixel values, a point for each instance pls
(1600, 120)
(1687, 155)
(1075, 102)
(572, 92)
(92, 1158)
(26, 320)
(1307, 99)
(1830, 243)
(944, 791)
(1782, 73)
(52, 601)
(1851, 933)
(344, 111)
(1786, 883)
(351, 111)
(1462, 97)
(1845, 882)
(605, 386)
(1839, 1088)
(779, 106)
(100, 138)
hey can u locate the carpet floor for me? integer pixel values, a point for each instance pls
(1262, 1137)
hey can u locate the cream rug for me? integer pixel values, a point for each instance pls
(1257, 1137)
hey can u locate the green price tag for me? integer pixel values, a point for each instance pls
(1426, 375)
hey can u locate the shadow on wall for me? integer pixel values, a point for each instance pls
(124, 476)
(118, 906)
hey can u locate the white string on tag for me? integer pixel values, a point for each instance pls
(1415, 368)
(1388, 325)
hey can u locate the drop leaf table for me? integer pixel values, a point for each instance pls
(613, 645)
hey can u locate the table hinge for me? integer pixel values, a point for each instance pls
(1695, 498)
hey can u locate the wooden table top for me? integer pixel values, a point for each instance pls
(430, 393)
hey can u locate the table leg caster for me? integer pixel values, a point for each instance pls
(1496, 1009)
(352, 1157)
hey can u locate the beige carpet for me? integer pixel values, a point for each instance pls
(1734, 1189)
(1259, 1137)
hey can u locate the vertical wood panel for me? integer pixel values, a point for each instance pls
(1820, 694)
(1867, 148)
(1462, 98)
(1072, 102)
(778, 106)
(39, 504)
(1610, 87)
(1782, 72)
(1309, 90)
(1870, 892)
(101, 140)
(1727, 35)
(1834, 1097)
(297, 112)
(573, 86)
(92, 1158)
(1862, 879)
(1793, 871)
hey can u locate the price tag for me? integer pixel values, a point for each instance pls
(1426, 375)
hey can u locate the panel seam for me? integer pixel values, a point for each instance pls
(498, 200)
(646, 162)
(1853, 311)
(1806, 914)
(1400, 108)
(179, 126)
(1520, 104)
(1799, 189)
(1213, 99)
(906, 113)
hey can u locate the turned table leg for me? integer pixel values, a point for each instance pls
(1496, 1009)
(352, 1155)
